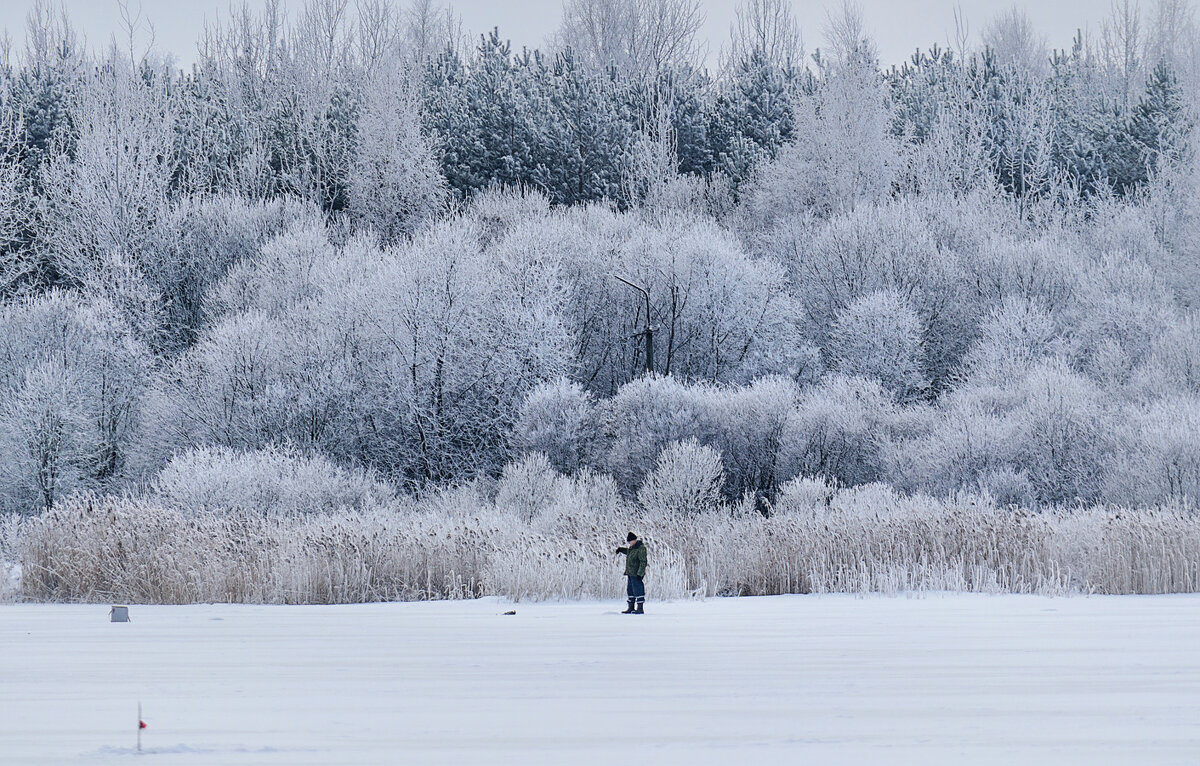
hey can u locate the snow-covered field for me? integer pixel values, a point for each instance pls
(792, 679)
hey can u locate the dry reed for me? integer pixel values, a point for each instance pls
(96, 549)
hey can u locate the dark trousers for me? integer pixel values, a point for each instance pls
(635, 589)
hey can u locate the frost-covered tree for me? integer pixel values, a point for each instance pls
(411, 360)
(272, 480)
(204, 238)
(1020, 139)
(1121, 48)
(716, 314)
(766, 30)
(842, 152)
(73, 377)
(937, 114)
(1171, 38)
(639, 422)
(641, 38)
(1011, 37)
(1159, 457)
(687, 480)
(395, 185)
(16, 263)
(111, 192)
(1173, 364)
(839, 430)
(584, 137)
(1159, 123)
(892, 247)
(879, 336)
(746, 424)
(556, 420)
(1016, 335)
(753, 116)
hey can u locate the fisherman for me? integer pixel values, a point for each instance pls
(635, 570)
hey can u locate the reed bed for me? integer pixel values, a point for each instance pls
(99, 548)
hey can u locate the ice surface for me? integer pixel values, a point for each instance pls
(794, 679)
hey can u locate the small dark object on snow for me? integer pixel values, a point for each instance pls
(118, 614)
(512, 612)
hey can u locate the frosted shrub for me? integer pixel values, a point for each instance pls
(585, 496)
(687, 480)
(11, 537)
(1044, 271)
(1016, 335)
(528, 486)
(838, 430)
(459, 500)
(495, 211)
(645, 417)
(879, 336)
(885, 247)
(874, 498)
(731, 317)
(1160, 457)
(1007, 486)
(1064, 434)
(1174, 362)
(804, 494)
(971, 437)
(745, 424)
(273, 480)
(1125, 308)
(556, 420)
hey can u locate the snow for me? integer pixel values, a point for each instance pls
(792, 679)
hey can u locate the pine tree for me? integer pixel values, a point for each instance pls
(499, 152)
(680, 99)
(753, 116)
(1085, 125)
(1158, 125)
(587, 133)
(447, 119)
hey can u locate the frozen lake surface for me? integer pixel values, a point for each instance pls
(937, 679)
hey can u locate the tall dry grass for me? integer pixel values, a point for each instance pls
(459, 545)
(12, 528)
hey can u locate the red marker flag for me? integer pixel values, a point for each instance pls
(141, 724)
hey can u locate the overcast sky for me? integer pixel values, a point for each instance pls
(899, 26)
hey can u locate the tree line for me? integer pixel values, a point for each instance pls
(353, 235)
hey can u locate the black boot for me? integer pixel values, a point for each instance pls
(639, 608)
(629, 609)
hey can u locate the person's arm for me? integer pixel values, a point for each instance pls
(622, 549)
(642, 562)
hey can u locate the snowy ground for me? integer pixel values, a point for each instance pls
(939, 679)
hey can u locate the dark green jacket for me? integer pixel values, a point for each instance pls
(635, 559)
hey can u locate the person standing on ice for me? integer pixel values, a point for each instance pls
(635, 570)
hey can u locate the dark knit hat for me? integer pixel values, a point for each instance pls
(630, 537)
